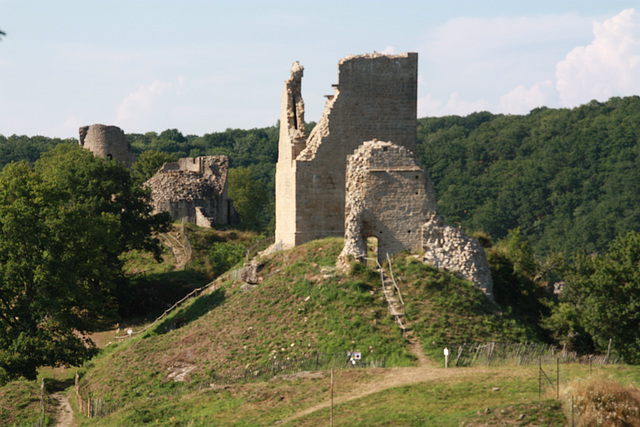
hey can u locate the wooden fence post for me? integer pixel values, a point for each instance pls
(331, 413)
(558, 378)
(540, 379)
(42, 391)
(460, 353)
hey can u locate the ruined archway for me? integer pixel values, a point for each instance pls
(388, 196)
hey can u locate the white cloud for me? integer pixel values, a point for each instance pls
(146, 104)
(507, 64)
(504, 39)
(521, 100)
(429, 106)
(389, 50)
(608, 66)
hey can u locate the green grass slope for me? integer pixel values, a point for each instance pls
(301, 306)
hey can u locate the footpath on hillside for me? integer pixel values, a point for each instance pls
(392, 378)
(64, 415)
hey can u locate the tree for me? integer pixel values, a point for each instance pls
(63, 225)
(249, 196)
(513, 269)
(148, 164)
(601, 299)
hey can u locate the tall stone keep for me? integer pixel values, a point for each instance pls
(375, 98)
(107, 142)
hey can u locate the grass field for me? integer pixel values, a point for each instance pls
(301, 305)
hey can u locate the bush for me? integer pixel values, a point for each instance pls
(602, 402)
(224, 255)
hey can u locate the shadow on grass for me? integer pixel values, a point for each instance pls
(193, 311)
(54, 385)
(146, 297)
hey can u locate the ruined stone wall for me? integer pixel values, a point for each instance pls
(449, 248)
(193, 189)
(107, 142)
(292, 141)
(375, 97)
(388, 196)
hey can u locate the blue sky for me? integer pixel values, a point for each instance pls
(205, 66)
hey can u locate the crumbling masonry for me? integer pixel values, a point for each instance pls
(375, 97)
(194, 189)
(107, 142)
(356, 174)
(388, 197)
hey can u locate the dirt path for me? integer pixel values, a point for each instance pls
(416, 350)
(64, 417)
(399, 377)
(393, 377)
(177, 248)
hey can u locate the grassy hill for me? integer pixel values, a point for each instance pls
(177, 372)
(302, 306)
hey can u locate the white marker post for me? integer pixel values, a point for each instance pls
(446, 357)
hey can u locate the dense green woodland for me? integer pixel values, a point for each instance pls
(567, 178)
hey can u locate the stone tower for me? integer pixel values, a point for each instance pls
(375, 98)
(388, 196)
(107, 142)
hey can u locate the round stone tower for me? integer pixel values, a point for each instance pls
(107, 142)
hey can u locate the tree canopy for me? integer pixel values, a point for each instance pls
(601, 300)
(63, 225)
(567, 178)
(148, 164)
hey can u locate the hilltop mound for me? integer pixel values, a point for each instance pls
(301, 306)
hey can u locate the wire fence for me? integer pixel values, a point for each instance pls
(93, 407)
(515, 354)
(311, 363)
(258, 246)
(44, 400)
(192, 294)
(488, 354)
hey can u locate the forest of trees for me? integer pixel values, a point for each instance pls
(553, 195)
(568, 178)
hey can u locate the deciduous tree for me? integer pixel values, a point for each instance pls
(601, 299)
(63, 225)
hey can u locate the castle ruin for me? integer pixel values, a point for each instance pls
(357, 176)
(194, 189)
(375, 97)
(107, 142)
(388, 196)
